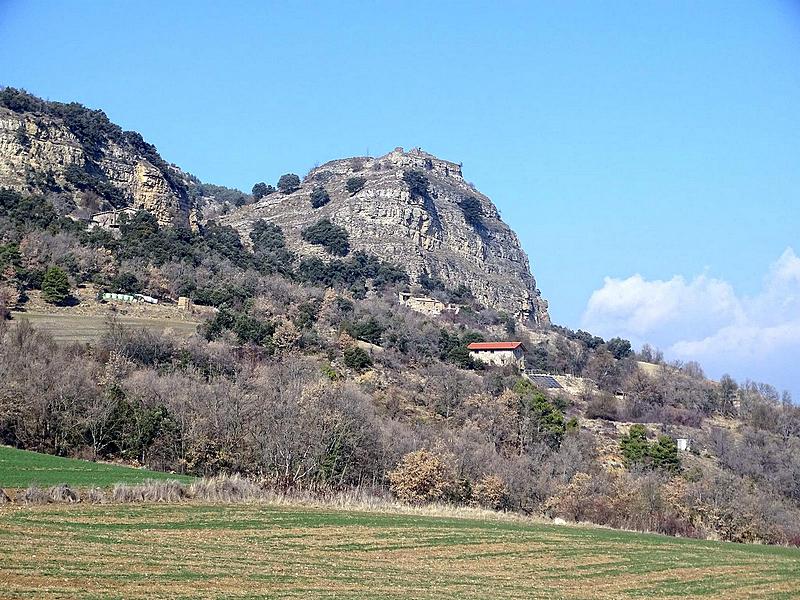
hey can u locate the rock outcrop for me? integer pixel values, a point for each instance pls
(92, 164)
(426, 233)
(439, 229)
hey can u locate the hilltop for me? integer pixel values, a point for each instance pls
(415, 210)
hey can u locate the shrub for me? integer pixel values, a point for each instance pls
(473, 214)
(420, 476)
(490, 492)
(331, 237)
(247, 329)
(261, 189)
(34, 495)
(357, 358)
(603, 406)
(96, 495)
(662, 455)
(417, 183)
(453, 348)
(267, 236)
(370, 331)
(355, 185)
(225, 241)
(319, 197)
(288, 183)
(124, 283)
(225, 488)
(55, 286)
(63, 493)
(619, 348)
(150, 491)
(4, 498)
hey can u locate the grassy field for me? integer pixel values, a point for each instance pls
(19, 469)
(68, 327)
(262, 551)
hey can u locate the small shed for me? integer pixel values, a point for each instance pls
(499, 353)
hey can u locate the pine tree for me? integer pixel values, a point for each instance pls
(55, 286)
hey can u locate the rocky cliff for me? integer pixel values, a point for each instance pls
(88, 162)
(429, 230)
(440, 229)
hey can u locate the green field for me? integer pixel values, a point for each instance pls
(76, 327)
(19, 469)
(263, 551)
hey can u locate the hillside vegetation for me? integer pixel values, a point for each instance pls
(307, 374)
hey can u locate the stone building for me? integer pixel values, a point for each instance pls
(427, 305)
(499, 353)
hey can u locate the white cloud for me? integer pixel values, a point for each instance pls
(706, 320)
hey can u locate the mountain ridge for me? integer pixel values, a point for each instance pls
(89, 166)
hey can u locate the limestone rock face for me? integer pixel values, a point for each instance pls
(424, 234)
(37, 151)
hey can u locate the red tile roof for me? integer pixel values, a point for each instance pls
(494, 345)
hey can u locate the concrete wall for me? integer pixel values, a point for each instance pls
(500, 357)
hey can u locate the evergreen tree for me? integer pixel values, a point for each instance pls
(260, 190)
(355, 184)
(55, 286)
(357, 358)
(288, 183)
(634, 445)
(664, 454)
(319, 197)
(619, 347)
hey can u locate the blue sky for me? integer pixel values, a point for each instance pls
(650, 139)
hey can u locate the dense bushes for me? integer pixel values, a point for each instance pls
(261, 189)
(368, 330)
(357, 358)
(269, 247)
(637, 451)
(494, 440)
(417, 183)
(319, 197)
(288, 183)
(328, 235)
(33, 211)
(220, 193)
(355, 185)
(352, 272)
(473, 214)
(91, 178)
(421, 476)
(248, 329)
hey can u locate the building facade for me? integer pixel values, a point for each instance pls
(499, 353)
(427, 305)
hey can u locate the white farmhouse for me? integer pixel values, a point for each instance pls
(499, 353)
